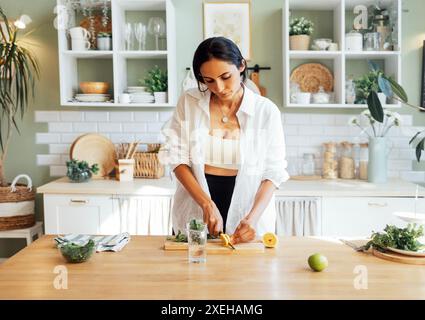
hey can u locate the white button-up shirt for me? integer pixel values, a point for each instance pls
(262, 156)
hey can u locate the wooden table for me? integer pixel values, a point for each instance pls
(144, 271)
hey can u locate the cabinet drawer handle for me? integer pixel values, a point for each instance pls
(79, 201)
(374, 204)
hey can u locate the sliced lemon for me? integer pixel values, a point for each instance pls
(225, 239)
(270, 240)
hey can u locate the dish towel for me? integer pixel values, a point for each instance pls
(103, 243)
(356, 244)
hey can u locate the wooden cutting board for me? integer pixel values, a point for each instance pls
(94, 148)
(216, 247)
(396, 257)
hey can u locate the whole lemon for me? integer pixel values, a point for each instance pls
(317, 262)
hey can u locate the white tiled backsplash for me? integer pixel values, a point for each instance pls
(304, 133)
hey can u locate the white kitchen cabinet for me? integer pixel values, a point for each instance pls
(359, 216)
(80, 213)
(107, 214)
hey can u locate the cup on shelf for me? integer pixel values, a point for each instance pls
(333, 47)
(80, 44)
(302, 97)
(124, 98)
(79, 33)
(104, 43)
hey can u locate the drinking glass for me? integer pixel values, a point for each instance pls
(128, 34)
(156, 27)
(197, 242)
(140, 34)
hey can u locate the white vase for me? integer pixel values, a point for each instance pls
(382, 98)
(160, 97)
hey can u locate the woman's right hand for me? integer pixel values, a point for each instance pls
(212, 218)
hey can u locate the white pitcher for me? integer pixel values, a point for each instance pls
(79, 33)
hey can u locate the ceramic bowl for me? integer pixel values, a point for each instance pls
(94, 87)
(322, 44)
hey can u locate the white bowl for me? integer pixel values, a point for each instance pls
(411, 217)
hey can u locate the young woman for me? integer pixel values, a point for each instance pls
(226, 147)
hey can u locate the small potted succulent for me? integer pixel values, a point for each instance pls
(300, 30)
(104, 41)
(157, 82)
(80, 171)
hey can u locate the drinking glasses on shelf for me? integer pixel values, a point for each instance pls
(128, 34)
(156, 27)
(140, 34)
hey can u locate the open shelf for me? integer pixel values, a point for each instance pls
(119, 67)
(333, 19)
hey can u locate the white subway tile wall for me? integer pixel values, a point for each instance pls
(304, 133)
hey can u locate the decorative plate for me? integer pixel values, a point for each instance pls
(420, 253)
(411, 217)
(95, 148)
(310, 76)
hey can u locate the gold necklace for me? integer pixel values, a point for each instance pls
(225, 118)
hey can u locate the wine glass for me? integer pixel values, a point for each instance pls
(140, 34)
(156, 27)
(128, 33)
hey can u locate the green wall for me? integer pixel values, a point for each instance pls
(266, 49)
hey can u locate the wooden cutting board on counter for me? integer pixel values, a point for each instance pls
(396, 257)
(216, 247)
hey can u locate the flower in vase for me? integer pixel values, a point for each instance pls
(377, 129)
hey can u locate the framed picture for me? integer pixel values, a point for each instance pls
(422, 102)
(230, 20)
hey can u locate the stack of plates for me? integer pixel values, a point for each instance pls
(136, 89)
(142, 97)
(92, 97)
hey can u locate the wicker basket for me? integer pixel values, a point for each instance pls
(17, 205)
(147, 163)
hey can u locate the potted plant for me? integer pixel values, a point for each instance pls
(18, 73)
(80, 171)
(366, 84)
(392, 90)
(157, 82)
(104, 41)
(300, 30)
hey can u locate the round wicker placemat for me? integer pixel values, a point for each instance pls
(311, 76)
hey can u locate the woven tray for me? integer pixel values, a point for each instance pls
(310, 76)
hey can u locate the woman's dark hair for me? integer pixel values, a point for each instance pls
(220, 48)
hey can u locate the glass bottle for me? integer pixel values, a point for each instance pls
(330, 162)
(308, 164)
(347, 166)
(350, 91)
(363, 160)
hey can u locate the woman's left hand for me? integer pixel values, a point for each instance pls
(243, 233)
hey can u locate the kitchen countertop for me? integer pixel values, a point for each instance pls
(143, 270)
(165, 187)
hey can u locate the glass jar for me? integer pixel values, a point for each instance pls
(321, 96)
(372, 41)
(346, 165)
(308, 164)
(350, 91)
(330, 162)
(363, 160)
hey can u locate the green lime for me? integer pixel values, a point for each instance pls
(317, 262)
